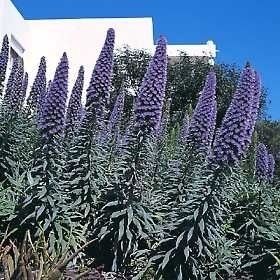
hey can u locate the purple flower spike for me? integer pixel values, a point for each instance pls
(73, 115)
(82, 113)
(203, 120)
(270, 168)
(256, 94)
(232, 138)
(16, 98)
(11, 83)
(98, 90)
(49, 86)
(261, 162)
(39, 86)
(53, 113)
(4, 56)
(149, 100)
(24, 87)
(40, 105)
(115, 117)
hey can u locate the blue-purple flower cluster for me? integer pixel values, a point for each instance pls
(98, 90)
(16, 97)
(203, 120)
(115, 117)
(39, 86)
(49, 86)
(270, 168)
(10, 82)
(149, 102)
(256, 95)
(262, 162)
(24, 87)
(234, 135)
(73, 116)
(4, 56)
(53, 114)
(231, 141)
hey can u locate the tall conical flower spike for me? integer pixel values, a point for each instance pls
(53, 114)
(212, 126)
(149, 100)
(48, 86)
(232, 138)
(262, 162)
(11, 82)
(40, 105)
(24, 87)
(39, 86)
(16, 97)
(203, 119)
(73, 115)
(4, 57)
(270, 168)
(115, 117)
(256, 95)
(98, 90)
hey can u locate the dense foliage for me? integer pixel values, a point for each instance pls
(161, 175)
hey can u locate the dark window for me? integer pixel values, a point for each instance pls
(13, 56)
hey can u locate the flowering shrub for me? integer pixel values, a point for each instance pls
(4, 55)
(262, 162)
(202, 123)
(39, 86)
(74, 110)
(231, 140)
(149, 198)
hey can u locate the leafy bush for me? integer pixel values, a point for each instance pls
(163, 184)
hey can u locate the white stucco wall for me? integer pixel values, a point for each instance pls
(82, 39)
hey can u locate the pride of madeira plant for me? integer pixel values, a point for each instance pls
(93, 188)
(123, 224)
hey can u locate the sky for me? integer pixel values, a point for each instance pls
(243, 30)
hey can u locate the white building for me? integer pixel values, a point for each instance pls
(82, 39)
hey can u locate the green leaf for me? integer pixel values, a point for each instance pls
(47, 223)
(190, 234)
(200, 246)
(50, 200)
(87, 210)
(40, 211)
(112, 203)
(179, 239)
(30, 179)
(129, 215)
(212, 275)
(42, 192)
(201, 225)
(187, 252)
(180, 276)
(121, 229)
(129, 237)
(195, 214)
(205, 207)
(59, 231)
(118, 213)
(166, 258)
(28, 217)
